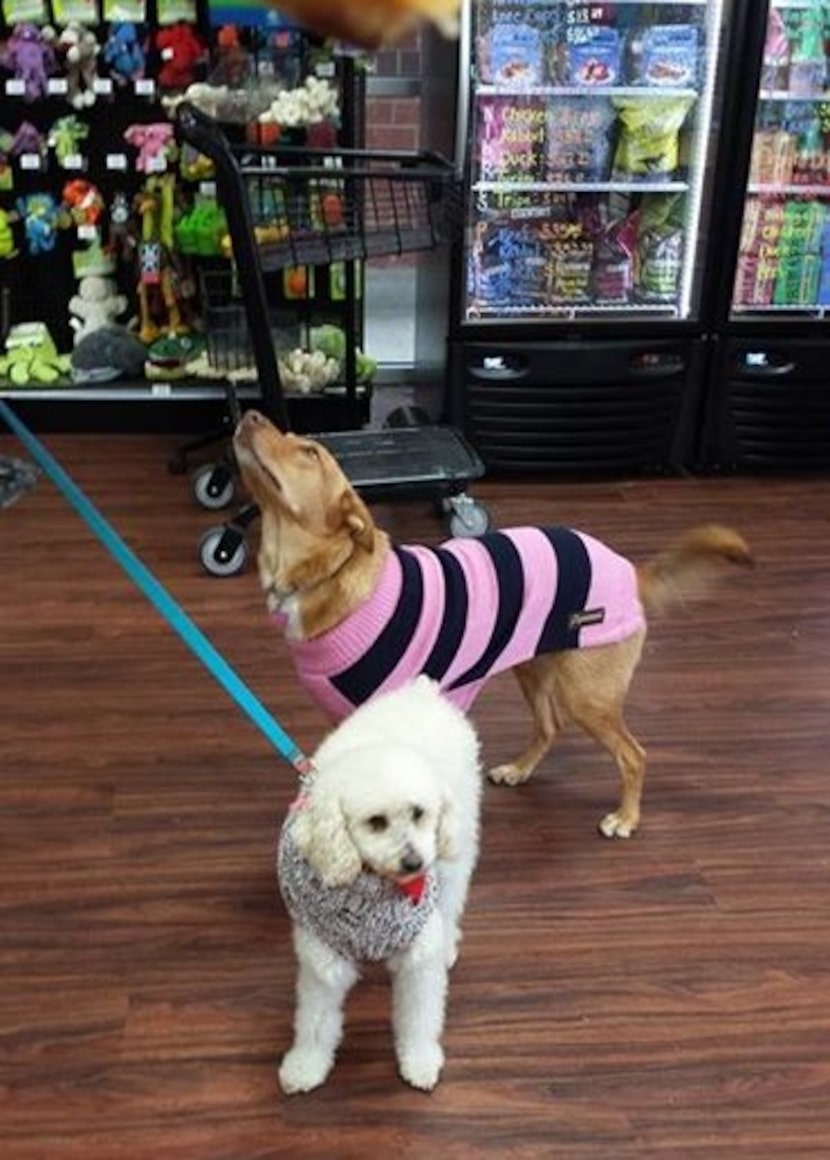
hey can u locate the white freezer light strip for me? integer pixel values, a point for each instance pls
(647, 92)
(579, 186)
(703, 141)
(772, 190)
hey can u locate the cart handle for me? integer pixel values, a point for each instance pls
(205, 134)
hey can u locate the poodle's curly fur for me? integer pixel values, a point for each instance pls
(395, 795)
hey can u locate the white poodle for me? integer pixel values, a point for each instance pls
(374, 863)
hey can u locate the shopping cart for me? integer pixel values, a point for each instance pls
(294, 207)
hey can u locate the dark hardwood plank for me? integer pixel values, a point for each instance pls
(664, 997)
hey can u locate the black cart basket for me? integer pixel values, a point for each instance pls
(290, 207)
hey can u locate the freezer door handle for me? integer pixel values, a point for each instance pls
(499, 368)
(765, 364)
(648, 364)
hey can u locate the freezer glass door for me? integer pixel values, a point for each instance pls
(783, 267)
(589, 146)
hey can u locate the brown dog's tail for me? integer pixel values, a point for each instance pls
(688, 568)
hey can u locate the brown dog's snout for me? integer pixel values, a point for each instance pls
(249, 420)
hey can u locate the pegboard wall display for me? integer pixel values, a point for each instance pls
(111, 229)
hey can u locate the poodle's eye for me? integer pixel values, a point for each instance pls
(417, 813)
(311, 451)
(378, 823)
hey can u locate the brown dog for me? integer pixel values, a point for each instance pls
(561, 609)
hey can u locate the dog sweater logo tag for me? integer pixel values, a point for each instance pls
(586, 617)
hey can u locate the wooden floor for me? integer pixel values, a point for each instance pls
(665, 997)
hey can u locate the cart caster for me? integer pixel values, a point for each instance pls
(467, 518)
(213, 486)
(223, 551)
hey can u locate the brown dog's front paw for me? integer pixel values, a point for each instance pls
(509, 774)
(616, 826)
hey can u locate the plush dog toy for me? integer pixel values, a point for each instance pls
(97, 304)
(79, 49)
(155, 144)
(30, 55)
(124, 54)
(181, 52)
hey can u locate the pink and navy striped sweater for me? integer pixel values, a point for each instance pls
(469, 609)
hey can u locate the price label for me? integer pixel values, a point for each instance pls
(31, 161)
(88, 233)
(161, 390)
(117, 161)
(102, 86)
(325, 68)
(207, 188)
(73, 161)
(156, 164)
(15, 87)
(145, 87)
(57, 86)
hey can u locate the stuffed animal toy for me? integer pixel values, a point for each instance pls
(155, 144)
(30, 56)
(41, 218)
(96, 304)
(121, 240)
(7, 245)
(32, 357)
(78, 48)
(124, 53)
(233, 61)
(211, 99)
(84, 202)
(66, 136)
(160, 284)
(181, 52)
(110, 352)
(28, 139)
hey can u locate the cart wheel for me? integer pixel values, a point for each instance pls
(212, 486)
(468, 519)
(223, 551)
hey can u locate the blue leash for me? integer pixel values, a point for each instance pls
(159, 597)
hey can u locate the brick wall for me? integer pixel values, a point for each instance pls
(392, 122)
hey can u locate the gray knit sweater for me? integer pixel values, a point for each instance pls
(366, 921)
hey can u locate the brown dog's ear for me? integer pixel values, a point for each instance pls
(358, 521)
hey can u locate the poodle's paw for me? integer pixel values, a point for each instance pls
(303, 1069)
(616, 825)
(509, 774)
(421, 1066)
(452, 947)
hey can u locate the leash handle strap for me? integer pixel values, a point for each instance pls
(159, 597)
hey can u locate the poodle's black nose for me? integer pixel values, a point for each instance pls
(411, 862)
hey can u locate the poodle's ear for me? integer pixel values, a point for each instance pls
(448, 831)
(321, 836)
